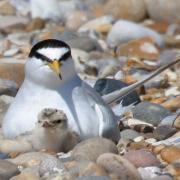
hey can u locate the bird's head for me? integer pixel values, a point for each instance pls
(50, 62)
(52, 118)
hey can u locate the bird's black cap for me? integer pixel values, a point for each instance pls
(51, 43)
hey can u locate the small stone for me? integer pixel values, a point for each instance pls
(12, 71)
(9, 146)
(4, 155)
(116, 164)
(157, 149)
(164, 10)
(6, 8)
(93, 169)
(124, 31)
(25, 176)
(152, 173)
(126, 9)
(164, 132)
(50, 165)
(30, 159)
(129, 134)
(35, 24)
(84, 43)
(7, 169)
(90, 149)
(11, 52)
(177, 122)
(93, 178)
(150, 112)
(108, 70)
(76, 19)
(174, 168)
(141, 158)
(173, 103)
(97, 23)
(169, 120)
(170, 154)
(12, 22)
(143, 48)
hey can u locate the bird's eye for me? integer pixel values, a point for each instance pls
(58, 121)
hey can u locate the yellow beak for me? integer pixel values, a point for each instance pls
(55, 66)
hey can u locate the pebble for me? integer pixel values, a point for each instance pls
(168, 121)
(150, 112)
(123, 31)
(84, 43)
(126, 9)
(129, 134)
(30, 159)
(25, 176)
(177, 122)
(142, 48)
(105, 86)
(12, 21)
(35, 24)
(12, 71)
(50, 165)
(141, 158)
(4, 155)
(170, 154)
(93, 169)
(77, 18)
(163, 132)
(7, 169)
(93, 178)
(164, 10)
(119, 166)
(90, 149)
(9, 146)
(174, 168)
(6, 8)
(11, 52)
(97, 23)
(152, 173)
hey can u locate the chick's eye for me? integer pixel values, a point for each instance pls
(58, 121)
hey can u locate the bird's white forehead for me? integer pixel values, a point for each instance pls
(53, 53)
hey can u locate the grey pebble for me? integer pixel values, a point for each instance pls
(129, 134)
(150, 112)
(7, 170)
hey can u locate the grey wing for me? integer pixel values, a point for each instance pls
(102, 113)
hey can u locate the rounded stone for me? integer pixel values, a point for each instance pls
(129, 134)
(124, 31)
(93, 169)
(164, 132)
(91, 149)
(141, 158)
(116, 164)
(50, 165)
(134, 10)
(150, 112)
(170, 154)
(164, 10)
(8, 169)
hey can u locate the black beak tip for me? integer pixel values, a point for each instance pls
(60, 76)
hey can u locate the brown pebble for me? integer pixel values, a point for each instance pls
(170, 154)
(93, 169)
(158, 149)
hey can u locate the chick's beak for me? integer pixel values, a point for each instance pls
(55, 66)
